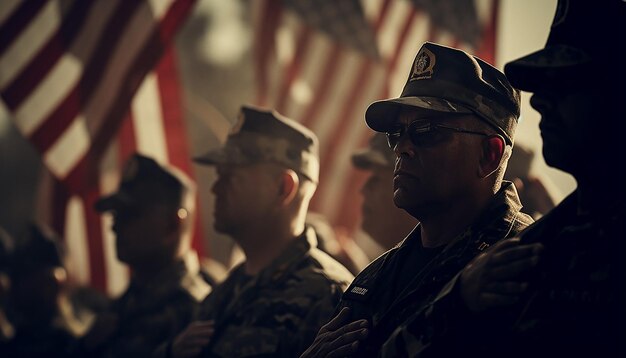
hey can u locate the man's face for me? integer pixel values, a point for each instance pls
(566, 126)
(440, 168)
(141, 232)
(243, 194)
(382, 220)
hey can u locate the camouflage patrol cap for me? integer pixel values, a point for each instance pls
(585, 38)
(445, 79)
(377, 153)
(146, 182)
(267, 136)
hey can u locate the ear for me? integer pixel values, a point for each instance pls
(289, 186)
(492, 152)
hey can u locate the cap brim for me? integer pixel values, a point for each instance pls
(553, 63)
(381, 115)
(214, 157)
(113, 202)
(366, 159)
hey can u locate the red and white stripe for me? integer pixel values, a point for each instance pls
(307, 76)
(69, 72)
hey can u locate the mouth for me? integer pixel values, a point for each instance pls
(402, 173)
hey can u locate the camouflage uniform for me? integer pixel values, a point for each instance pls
(155, 312)
(580, 294)
(279, 311)
(375, 294)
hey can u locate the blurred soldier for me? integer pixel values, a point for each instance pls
(452, 130)
(6, 249)
(337, 243)
(152, 219)
(382, 220)
(572, 303)
(274, 302)
(533, 190)
(37, 306)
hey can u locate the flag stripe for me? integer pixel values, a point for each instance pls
(97, 266)
(345, 119)
(293, 69)
(270, 15)
(34, 71)
(116, 76)
(178, 151)
(348, 213)
(150, 51)
(7, 10)
(71, 146)
(148, 120)
(487, 48)
(76, 232)
(23, 34)
(68, 78)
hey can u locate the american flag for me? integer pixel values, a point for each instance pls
(89, 82)
(323, 62)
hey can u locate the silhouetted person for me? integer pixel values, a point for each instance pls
(381, 219)
(37, 307)
(533, 189)
(153, 212)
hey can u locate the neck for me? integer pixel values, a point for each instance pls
(262, 244)
(442, 227)
(148, 271)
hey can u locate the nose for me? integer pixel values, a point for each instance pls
(404, 148)
(541, 103)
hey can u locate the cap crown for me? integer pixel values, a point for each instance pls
(446, 79)
(267, 136)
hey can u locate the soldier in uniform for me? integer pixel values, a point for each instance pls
(152, 219)
(572, 303)
(274, 302)
(452, 130)
(382, 220)
(42, 322)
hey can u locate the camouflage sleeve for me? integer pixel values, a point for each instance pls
(294, 343)
(427, 332)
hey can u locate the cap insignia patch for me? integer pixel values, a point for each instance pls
(424, 65)
(238, 124)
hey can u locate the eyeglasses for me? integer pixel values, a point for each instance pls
(424, 134)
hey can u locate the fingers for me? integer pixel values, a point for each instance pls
(341, 340)
(513, 253)
(512, 270)
(344, 351)
(193, 339)
(350, 337)
(338, 321)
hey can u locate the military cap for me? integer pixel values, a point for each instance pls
(446, 79)
(146, 182)
(586, 37)
(377, 153)
(39, 249)
(267, 136)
